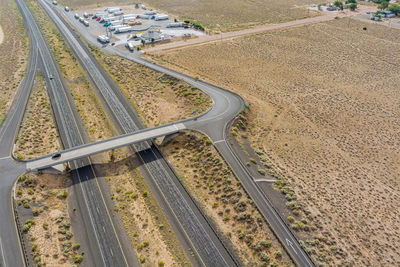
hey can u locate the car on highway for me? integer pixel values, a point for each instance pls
(56, 155)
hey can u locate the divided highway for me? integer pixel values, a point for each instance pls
(99, 228)
(204, 240)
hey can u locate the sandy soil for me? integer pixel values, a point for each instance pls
(222, 198)
(158, 98)
(38, 134)
(324, 104)
(1, 35)
(230, 35)
(51, 240)
(14, 51)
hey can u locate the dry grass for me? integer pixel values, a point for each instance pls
(221, 196)
(49, 232)
(38, 133)
(324, 107)
(13, 53)
(228, 15)
(158, 98)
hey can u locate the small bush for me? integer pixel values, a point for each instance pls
(76, 246)
(63, 195)
(142, 259)
(161, 263)
(78, 259)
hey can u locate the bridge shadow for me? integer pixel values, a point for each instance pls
(110, 169)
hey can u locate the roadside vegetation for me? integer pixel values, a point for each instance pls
(158, 98)
(43, 214)
(38, 134)
(13, 51)
(322, 112)
(148, 229)
(222, 198)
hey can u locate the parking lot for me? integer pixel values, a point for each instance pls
(148, 30)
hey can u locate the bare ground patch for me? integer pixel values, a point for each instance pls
(324, 110)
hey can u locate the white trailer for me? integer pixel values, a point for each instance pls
(123, 29)
(118, 13)
(115, 23)
(150, 12)
(144, 16)
(175, 25)
(130, 46)
(109, 19)
(98, 14)
(128, 18)
(114, 9)
(103, 39)
(86, 23)
(114, 27)
(161, 17)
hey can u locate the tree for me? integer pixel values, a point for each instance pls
(338, 4)
(383, 5)
(353, 6)
(136, 6)
(351, 1)
(152, 40)
(143, 42)
(395, 8)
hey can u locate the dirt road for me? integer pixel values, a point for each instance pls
(229, 35)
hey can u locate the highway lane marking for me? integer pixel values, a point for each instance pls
(5, 158)
(97, 208)
(219, 141)
(112, 254)
(290, 244)
(2, 254)
(264, 180)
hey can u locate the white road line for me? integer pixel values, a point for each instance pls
(2, 254)
(112, 254)
(104, 229)
(97, 208)
(5, 158)
(219, 141)
(265, 180)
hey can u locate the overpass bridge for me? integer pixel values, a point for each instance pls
(104, 145)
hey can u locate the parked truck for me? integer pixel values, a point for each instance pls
(175, 25)
(123, 29)
(103, 39)
(86, 23)
(118, 13)
(130, 46)
(55, 3)
(113, 9)
(66, 9)
(161, 17)
(85, 14)
(150, 12)
(76, 16)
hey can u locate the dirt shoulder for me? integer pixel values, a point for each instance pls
(325, 119)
